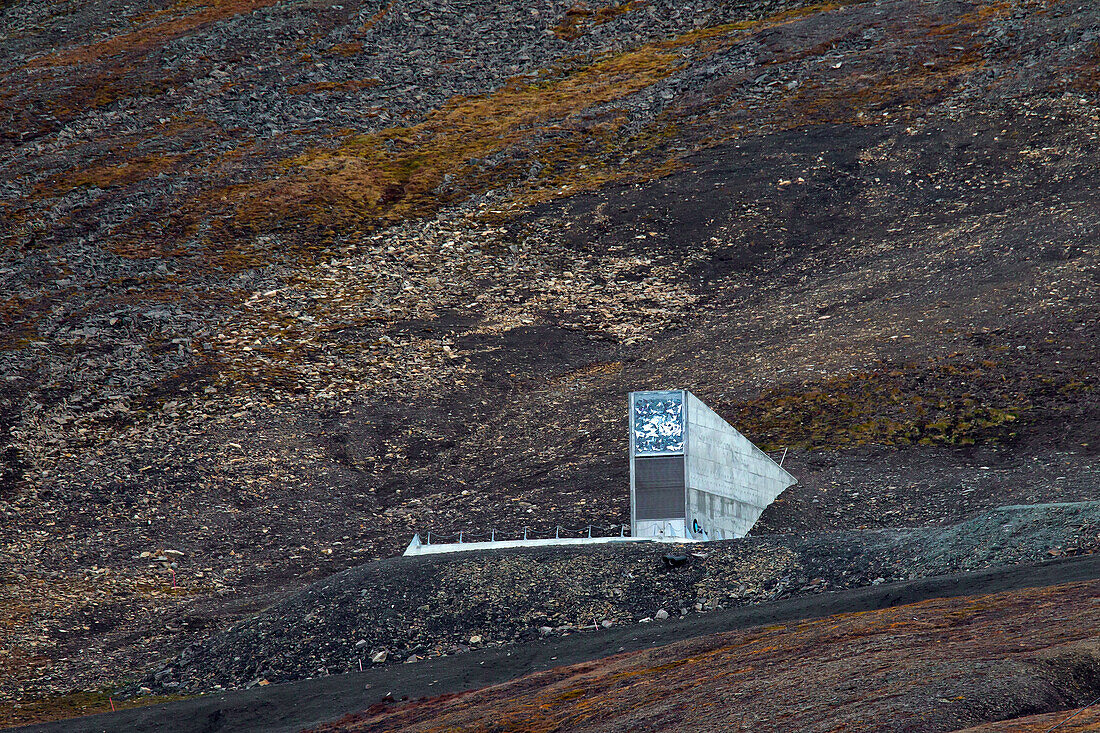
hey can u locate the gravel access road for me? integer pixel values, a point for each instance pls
(293, 706)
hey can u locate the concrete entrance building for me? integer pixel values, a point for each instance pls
(693, 478)
(692, 475)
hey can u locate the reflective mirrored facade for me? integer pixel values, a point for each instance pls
(658, 423)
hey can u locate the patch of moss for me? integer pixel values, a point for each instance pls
(727, 31)
(540, 138)
(74, 705)
(945, 402)
(110, 175)
(579, 18)
(468, 146)
(179, 19)
(543, 138)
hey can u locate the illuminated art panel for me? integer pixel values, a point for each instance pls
(658, 423)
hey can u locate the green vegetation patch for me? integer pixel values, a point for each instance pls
(946, 401)
(74, 705)
(470, 145)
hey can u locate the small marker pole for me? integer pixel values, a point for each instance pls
(112, 700)
(360, 665)
(173, 577)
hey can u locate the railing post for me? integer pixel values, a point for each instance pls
(460, 536)
(622, 530)
(524, 533)
(429, 538)
(557, 531)
(590, 531)
(493, 535)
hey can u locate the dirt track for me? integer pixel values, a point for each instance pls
(427, 607)
(294, 706)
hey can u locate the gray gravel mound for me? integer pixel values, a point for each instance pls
(408, 609)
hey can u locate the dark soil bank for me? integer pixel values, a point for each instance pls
(422, 607)
(292, 706)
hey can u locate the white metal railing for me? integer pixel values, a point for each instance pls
(434, 543)
(464, 536)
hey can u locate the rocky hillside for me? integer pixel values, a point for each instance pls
(940, 665)
(405, 610)
(284, 281)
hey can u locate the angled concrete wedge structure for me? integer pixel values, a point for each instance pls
(692, 475)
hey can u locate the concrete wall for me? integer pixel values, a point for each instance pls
(729, 480)
(666, 528)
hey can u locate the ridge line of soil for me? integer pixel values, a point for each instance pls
(297, 705)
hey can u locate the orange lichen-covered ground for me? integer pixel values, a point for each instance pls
(937, 665)
(1063, 721)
